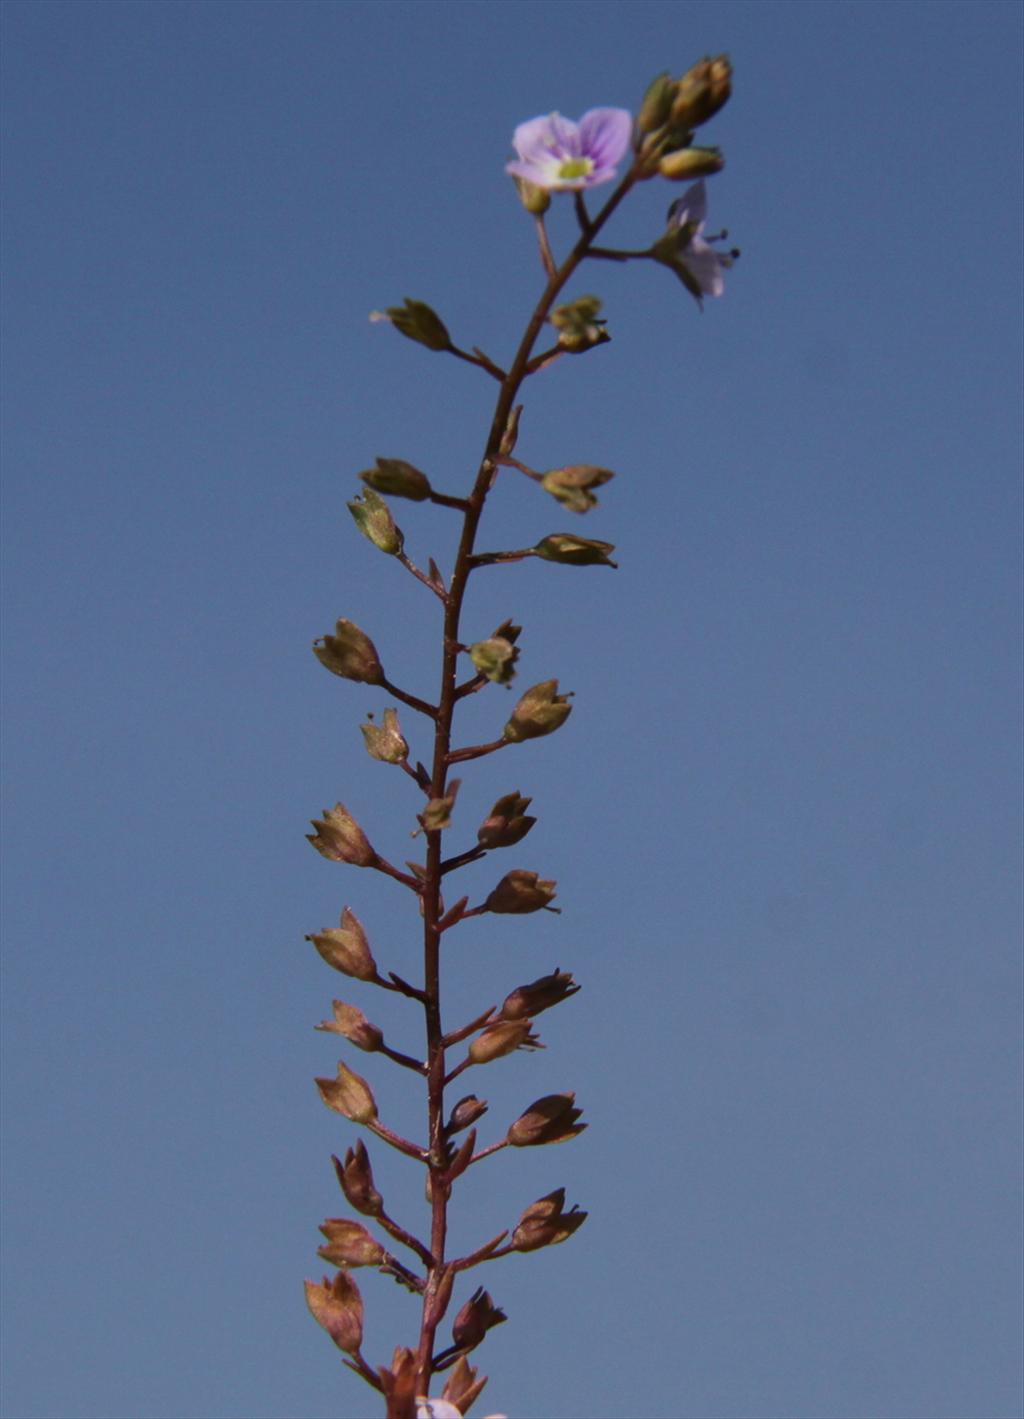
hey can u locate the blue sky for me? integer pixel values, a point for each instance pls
(784, 816)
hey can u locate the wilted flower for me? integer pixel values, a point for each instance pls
(417, 321)
(545, 1224)
(555, 153)
(340, 838)
(350, 1244)
(552, 1119)
(540, 711)
(465, 1112)
(438, 812)
(496, 658)
(541, 994)
(520, 891)
(385, 741)
(350, 653)
(684, 250)
(355, 1177)
(501, 1038)
(572, 485)
(397, 478)
(575, 551)
(373, 518)
(349, 1095)
(443, 1409)
(578, 324)
(346, 948)
(338, 1307)
(506, 823)
(475, 1319)
(353, 1024)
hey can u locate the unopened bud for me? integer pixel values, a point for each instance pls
(353, 1024)
(373, 518)
(575, 551)
(416, 321)
(340, 838)
(536, 200)
(657, 104)
(338, 1307)
(398, 479)
(475, 1319)
(356, 1179)
(540, 711)
(552, 1119)
(572, 485)
(438, 812)
(385, 741)
(496, 658)
(578, 324)
(346, 948)
(506, 823)
(349, 1095)
(519, 892)
(702, 91)
(465, 1112)
(545, 1224)
(350, 1244)
(541, 994)
(688, 163)
(501, 1038)
(350, 653)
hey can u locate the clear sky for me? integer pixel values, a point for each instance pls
(784, 816)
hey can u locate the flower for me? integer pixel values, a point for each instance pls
(562, 156)
(441, 1409)
(685, 251)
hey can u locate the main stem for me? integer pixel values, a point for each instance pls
(435, 1299)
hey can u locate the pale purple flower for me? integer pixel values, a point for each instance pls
(695, 260)
(562, 156)
(442, 1409)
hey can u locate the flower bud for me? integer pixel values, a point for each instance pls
(550, 1120)
(416, 321)
(398, 479)
(385, 741)
(338, 1307)
(438, 812)
(353, 1024)
(350, 653)
(501, 1038)
(476, 1318)
(536, 200)
(519, 892)
(657, 104)
(346, 948)
(506, 823)
(544, 1224)
(373, 518)
(571, 485)
(399, 1383)
(340, 838)
(356, 1179)
(539, 995)
(496, 658)
(348, 1095)
(350, 1244)
(540, 711)
(688, 163)
(465, 1112)
(702, 91)
(575, 551)
(578, 325)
